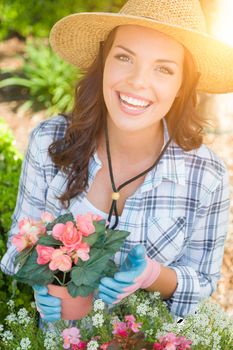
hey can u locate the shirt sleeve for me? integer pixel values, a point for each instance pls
(198, 270)
(31, 197)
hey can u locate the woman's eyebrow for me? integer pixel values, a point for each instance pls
(159, 60)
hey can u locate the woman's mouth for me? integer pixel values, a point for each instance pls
(132, 105)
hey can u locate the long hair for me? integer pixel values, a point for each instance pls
(85, 123)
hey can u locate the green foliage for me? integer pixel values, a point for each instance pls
(49, 79)
(36, 17)
(10, 164)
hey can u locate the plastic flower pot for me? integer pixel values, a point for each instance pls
(71, 308)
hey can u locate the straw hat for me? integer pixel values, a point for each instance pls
(76, 37)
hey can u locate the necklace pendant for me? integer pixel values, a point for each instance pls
(115, 196)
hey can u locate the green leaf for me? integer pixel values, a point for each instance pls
(90, 271)
(63, 219)
(49, 241)
(114, 239)
(32, 273)
(94, 238)
(15, 81)
(82, 290)
(100, 226)
(22, 257)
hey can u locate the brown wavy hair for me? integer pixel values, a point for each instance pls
(85, 123)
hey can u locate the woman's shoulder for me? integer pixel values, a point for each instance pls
(53, 128)
(208, 158)
(207, 166)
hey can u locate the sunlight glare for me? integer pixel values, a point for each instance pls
(223, 27)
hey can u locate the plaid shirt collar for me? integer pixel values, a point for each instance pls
(171, 167)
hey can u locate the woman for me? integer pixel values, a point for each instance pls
(132, 151)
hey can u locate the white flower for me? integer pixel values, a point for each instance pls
(33, 305)
(114, 319)
(98, 305)
(25, 344)
(153, 313)
(50, 340)
(23, 316)
(10, 304)
(7, 336)
(154, 295)
(92, 345)
(11, 318)
(98, 320)
(1, 328)
(142, 309)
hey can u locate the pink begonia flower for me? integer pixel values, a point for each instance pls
(71, 237)
(58, 230)
(29, 233)
(47, 217)
(20, 241)
(104, 346)
(81, 252)
(44, 254)
(68, 234)
(60, 260)
(85, 224)
(29, 226)
(71, 336)
(120, 328)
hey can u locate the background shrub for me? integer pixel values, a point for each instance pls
(36, 17)
(10, 165)
(50, 80)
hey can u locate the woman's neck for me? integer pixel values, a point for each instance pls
(133, 148)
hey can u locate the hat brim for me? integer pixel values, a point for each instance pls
(76, 39)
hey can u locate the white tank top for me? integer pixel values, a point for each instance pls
(85, 206)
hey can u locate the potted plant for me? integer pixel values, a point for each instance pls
(67, 254)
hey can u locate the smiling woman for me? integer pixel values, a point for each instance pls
(131, 150)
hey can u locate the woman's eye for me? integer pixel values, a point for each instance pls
(164, 70)
(123, 58)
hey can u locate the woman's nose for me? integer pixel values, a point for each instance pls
(139, 77)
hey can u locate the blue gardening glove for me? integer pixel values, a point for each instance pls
(48, 306)
(137, 271)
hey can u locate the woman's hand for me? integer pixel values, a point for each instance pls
(48, 306)
(137, 271)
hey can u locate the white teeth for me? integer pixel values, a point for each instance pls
(134, 101)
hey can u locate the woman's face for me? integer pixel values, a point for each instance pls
(142, 77)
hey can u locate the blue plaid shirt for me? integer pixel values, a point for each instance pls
(179, 213)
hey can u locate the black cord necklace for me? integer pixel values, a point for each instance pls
(116, 190)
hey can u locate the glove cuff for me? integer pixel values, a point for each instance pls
(152, 272)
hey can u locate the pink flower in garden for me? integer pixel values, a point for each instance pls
(44, 254)
(60, 260)
(120, 328)
(82, 345)
(104, 346)
(81, 252)
(172, 342)
(71, 336)
(132, 324)
(47, 217)
(85, 224)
